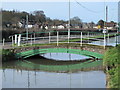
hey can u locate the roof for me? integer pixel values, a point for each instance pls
(110, 24)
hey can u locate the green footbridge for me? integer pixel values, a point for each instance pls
(30, 53)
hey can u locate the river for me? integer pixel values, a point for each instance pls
(109, 41)
(15, 75)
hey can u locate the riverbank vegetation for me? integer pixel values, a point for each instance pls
(112, 63)
(7, 55)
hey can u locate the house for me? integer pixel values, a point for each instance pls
(36, 26)
(110, 25)
(97, 27)
(29, 26)
(46, 27)
(53, 27)
(20, 25)
(85, 26)
(60, 27)
(67, 25)
(91, 25)
(77, 27)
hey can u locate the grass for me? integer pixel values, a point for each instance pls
(111, 61)
(95, 37)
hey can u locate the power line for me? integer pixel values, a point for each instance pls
(86, 7)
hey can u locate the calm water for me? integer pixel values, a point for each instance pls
(19, 77)
(110, 42)
(39, 79)
(64, 56)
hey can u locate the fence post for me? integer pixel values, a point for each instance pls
(81, 38)
(108, 38)
(116, 39)
(3, 41)
(31, 39)
(68, 35)
(19, 39)
(34, 37)
(15, 39)
(49, 37)
(12, 40)
(57, 38)
(88, 37)
(104, 41)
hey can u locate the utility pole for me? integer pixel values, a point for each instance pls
(69, 24)
(105, 25)
(27, 28)
(106, 14)
(106, 22)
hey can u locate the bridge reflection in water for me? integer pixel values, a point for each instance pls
(47, 73)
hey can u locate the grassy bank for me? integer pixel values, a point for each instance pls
(7, 55)
(111, 62)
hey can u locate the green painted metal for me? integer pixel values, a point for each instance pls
(59, 31)
(29, 53)
(64, 68)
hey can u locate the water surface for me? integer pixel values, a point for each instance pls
(39, 79)
(109, 41)
(17, 76)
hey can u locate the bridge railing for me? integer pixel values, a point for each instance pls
(57, 37)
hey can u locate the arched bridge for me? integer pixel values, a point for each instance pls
(30, 44)
(30, 53)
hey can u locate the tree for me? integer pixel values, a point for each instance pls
(39, 16)
(12, 17)
(101, 23)
(76, 21)
(92, 24)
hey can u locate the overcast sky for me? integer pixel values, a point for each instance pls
(89, 11)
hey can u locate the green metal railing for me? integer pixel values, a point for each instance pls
(60, 31)
(30, 53)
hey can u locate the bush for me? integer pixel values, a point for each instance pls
(112, 61)
(7, 55)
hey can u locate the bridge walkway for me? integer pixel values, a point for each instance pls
(30, 53)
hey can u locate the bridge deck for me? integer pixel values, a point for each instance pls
(30, 53)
